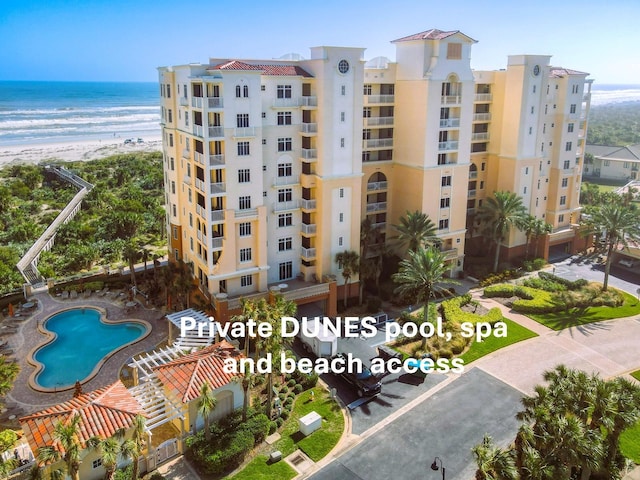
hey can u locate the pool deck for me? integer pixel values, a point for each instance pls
(23, 399)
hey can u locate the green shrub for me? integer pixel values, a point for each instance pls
(7, 439)
(570, 284)
(544, 284)
(298, 388)
(279, 422)
(272, 427)
(288, 401)
(282, 396)
(535, 264)
(499, 277)
(284, 414)
(291, 383)
(258, 425)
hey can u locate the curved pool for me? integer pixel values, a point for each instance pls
(81, 341)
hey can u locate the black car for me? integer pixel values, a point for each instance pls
(366, 383)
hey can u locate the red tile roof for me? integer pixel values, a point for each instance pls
(433, 34)
(103, 412)
(559, 72)
(186, 375)
(275, 70)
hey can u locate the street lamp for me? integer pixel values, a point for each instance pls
(434, 466)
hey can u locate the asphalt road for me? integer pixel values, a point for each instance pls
(580, 267)
(447, 424)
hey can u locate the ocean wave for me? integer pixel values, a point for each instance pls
(80, 121)
(66, 110)
(60, 131)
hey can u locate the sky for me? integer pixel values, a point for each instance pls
(126, 40)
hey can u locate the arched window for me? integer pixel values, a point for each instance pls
(238, 91)
(452, 86)
(377, 181)
(245, 91)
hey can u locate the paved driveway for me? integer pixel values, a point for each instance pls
(447, 424)
(582, 267)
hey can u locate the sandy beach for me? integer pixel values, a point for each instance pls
(74, 151)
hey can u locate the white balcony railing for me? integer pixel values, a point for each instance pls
(481, 117)
(284, 181)
(187, 179)
(450, 99)
(471, 194)
(378, 143)
(200, 184)
(449, 122)
(216, 131)
(309, 128)
(376, 207)
(308, 229)
(479, 136)
(308, 253)
(380, 98)
(216, 160)
(309, 153)
(196, 102)
(283, 206)
(201, 211)
(216, 243)
(309, 101)
(246, 212)
(186, 153)
(198, 157)
(218, 188)
(217, 215)
(243, 132)
(473, 174)
(308, 204)
(201, 236)
(483, 97)
(377, 121)
(215, 102)
(286, 102)
(184, 102)
(198, 130)
(376, 186)
(453, 145)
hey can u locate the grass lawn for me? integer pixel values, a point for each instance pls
(515, 333)
(636, 375)
(630, 443)
(583, 316)
(316, 446)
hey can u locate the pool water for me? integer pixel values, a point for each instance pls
(82, 341)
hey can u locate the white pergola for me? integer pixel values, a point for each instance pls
(159, 408)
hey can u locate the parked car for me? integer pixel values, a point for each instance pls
(365, 382)
(627, 262)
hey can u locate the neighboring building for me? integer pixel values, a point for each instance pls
(613, 163)
(271, 165)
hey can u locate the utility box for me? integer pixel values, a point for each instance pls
(310, 423)
(275, 456)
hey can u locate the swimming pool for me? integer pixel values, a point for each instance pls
(81, 341)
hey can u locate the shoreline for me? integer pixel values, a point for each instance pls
(78, 150)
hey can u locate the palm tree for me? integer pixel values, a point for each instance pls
(493, 462)
(416, 230)
(422, 275)
(67, 435)
(130, 254)
(528, 227)
(146, 254)
(499, 214)
(133, 447)
(617, 224)
(540, 228)
(109, 449)
(348, 262)
(206, 404)
(368, 233)
(247, 381)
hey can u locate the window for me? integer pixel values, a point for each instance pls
(454, 51)
(285, 244)
(481, 184)
(264, 141)
(191, 243)
(342, 142)
(567, 147)
(442, 159)
(446, 181)
(246, 281)
(175, 210)
(526, 170)
(175, 233)
(176, 254)
(283, 91)
(222, 286)
(572, 108)
(244, 202)
(285, 195)
(340, 241)
(534, 89)
(570, 128)
(172, 164)
(173, 187)
(367, 90)
(532, 109)
(483, 166)
(263, 88)
(561, 218)
(563, 200)
(366, 112)
(342, 116)
(445, 202)
(245, 254)
(244, 175)
(565, 182)
(171, 139)
(170, 116)
(264, 114)
(96, 463)
(245, 229)
(284, 144)
(285, 270)
(285, 219)
(238, 91)
(343, 90)
(442, 224)
(366, 133)
(567, 164)
(285, 170)
(168, 90)
(341, 217)
(191, 220)
(341, 193)
(530, 130)
(607, 163)
(625, 165)
(284, 118)
(242, 120)
(245, 91)
(243, 148)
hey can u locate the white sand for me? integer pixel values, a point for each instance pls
(74, 151)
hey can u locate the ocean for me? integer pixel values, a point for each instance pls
(65, 112)
(60, 112)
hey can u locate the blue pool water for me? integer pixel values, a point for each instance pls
(82, 340)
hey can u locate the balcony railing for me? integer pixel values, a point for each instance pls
(309, 101)
(286, 102)
(308, 204)
(473, 174)
(196, 102)
(471, 194)
(244, 132)
(479, 136)
(218, 188)
(283, 206)
(380, 98)
(379, 225)
(216, 243)
(201, 211)
(471, 211)
(201, 235)
(483, 97)
(215, 102)
(309, 128)
(481, 117)
(200, 184)
(198, 157)
(450, 253)
(184, 102)
(378, 143)
(308, 228)
(186, 153)
(247, 212)
(198, 130)
(217, 215)
(187, 179)
(450, 99)
(308, 253)
(376, 207)
(449, 122)
(284, 181)
(216, 131)
(376, 186)
(216, 160)
(453, 145)
(309, 154)
(377, 121)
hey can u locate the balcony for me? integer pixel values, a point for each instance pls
(449, 122)
(308, 229)
(200, 185)
(450, 254)
(198, 157)
(378, 143)
(309, 154)
(216, 160)
(244, 132)
(378, 121)
(198, 130)
(187, 179)
(310, 101)
(372, 186)
(184, 102)
(215, 102)
(201, 211)
(483, 97)
(196, 102)
(216, 131)
(471, 194)
(186, 153)
(307, 204)
(473, 174)
(201, 236)
(217, 215)
(379, 99)
(216, 243)
(285, 206)
(309, 128)
(452, 145)
(450, 99)
(218, 188)
(286, 181)
(478, 137)
(286, 103)
(308, 253)
(247, 212)
(376, 207)
(471, 211)
(481, 117)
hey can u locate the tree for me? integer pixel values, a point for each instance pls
(8, 372)
(130, 254)
(206, 404)
(422, 275)
(348, 262)
(109, 449)
(416, 230)
(67, 436)
(616, 224)
(540, 228)
(493, 462)
(133, 447)
(499, 214)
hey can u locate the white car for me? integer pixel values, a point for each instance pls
(626, 262)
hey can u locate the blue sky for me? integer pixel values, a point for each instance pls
(125, 40)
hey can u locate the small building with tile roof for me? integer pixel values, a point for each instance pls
(612, 162)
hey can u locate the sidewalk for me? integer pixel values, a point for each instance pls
(178, 469)
(633, 475)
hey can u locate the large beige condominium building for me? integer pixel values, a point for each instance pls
(272, 165)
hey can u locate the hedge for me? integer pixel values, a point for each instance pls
(531, 300)
(570, 284)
